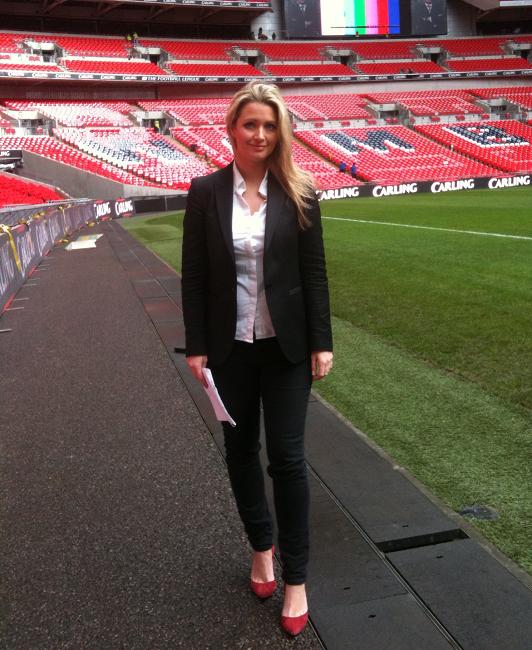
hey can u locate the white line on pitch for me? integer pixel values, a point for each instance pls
(406, 225)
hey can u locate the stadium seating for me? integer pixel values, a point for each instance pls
(310, 70)
(192, 50)
(139, 151)
(11, 43)
(30, 67)
(398, 67)
(471, 46)
(392, 154)
(476, 65)
(119, 66)
(506, 145)
(213, 70)
(377, 50)
(327, 107)
(288, 51)
(61, 152)
(79, 114)
(518, 95)
(16, 191)
(92, 46)
(439, 102)
(190, 111)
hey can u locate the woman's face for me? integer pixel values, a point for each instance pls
(255, 134)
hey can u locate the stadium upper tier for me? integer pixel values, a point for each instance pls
(216, 60)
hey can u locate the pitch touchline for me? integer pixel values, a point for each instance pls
(406, 225)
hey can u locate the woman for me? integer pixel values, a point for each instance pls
(256, 311)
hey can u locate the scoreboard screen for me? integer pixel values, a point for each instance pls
(339, 18)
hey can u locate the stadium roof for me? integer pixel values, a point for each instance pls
(53, 14)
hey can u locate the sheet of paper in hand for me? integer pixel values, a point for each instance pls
(219, 409)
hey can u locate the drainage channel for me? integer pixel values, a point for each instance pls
(420, 602)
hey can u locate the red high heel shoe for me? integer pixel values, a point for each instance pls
(264, 589)
(294, 625)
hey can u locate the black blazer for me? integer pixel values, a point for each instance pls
(295, 278)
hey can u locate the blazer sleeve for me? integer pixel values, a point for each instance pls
(314, 281)
(194, 272)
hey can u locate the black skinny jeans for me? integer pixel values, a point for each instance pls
(254, 372)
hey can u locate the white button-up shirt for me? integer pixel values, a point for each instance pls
(248, 242)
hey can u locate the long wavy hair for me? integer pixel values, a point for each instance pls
(297, 183)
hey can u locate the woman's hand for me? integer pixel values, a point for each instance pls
(321, 364)
(196, 364)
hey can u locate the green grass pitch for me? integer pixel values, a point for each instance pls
(433, 340)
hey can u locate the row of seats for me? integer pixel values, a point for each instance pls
(399, 67)
(61, 152)
(275, 51)
(391, 154)
(519, 95)
(505, 145)
(18, 191)
(328, 107)
(112, 67)
(78, 113)
(477, 65)
(142, 67)
(214, 69)
(139, 151)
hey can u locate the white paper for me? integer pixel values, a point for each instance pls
(219, 409)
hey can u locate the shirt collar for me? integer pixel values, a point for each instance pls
(239, 184)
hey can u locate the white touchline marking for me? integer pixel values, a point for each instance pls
(406, 225)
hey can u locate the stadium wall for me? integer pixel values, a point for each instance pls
(79, 183)
(461, 18)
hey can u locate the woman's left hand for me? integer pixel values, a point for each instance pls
(321, 363)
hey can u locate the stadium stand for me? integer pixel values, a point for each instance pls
(328, 107)
(309, 69)
(79, 114)
(392, 154)
(475, 65)
(192, 50)
(377, 50)
(199, 111)
(471, 46)
(399, 67)
(518, 95)
(505, 145)
(213, 69)
(30, 67)
(139, 151)
(92, 46)
(16, 191)
(439, 102)
(117, 66)
(61, 152)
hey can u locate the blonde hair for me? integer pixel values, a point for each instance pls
(297, 183)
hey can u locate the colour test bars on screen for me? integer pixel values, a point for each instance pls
(347, 17)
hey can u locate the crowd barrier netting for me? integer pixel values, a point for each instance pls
(28, 233)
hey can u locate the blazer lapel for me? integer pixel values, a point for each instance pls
(276, 199)
(224, 205)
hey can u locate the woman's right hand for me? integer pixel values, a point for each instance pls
(196, 364)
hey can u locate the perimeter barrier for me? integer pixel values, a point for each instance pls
(28, 233)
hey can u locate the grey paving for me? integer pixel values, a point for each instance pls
(118, 527)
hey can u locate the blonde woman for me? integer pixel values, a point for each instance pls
(256, 311)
